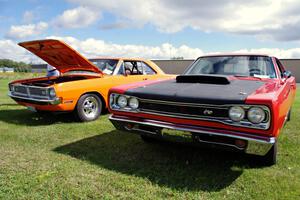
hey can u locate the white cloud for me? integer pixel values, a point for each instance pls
(92, 48)
(76, 18)
(28, 17)
(23, 31)
(277, 20)
(10, 50)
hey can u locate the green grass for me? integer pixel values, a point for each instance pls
(54, 157)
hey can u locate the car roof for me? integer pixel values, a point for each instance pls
(118, 58)
(235, 54)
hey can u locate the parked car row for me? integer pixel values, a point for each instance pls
(82, 86)
(234, 101)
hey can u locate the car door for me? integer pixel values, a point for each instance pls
(289, 87)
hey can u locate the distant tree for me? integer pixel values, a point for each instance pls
(18, 66)
(177, 58)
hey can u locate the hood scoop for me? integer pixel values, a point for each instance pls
(206, 79)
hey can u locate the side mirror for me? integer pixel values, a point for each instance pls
(287, 74)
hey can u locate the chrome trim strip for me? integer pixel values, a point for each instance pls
(50, 101)
(255, 146)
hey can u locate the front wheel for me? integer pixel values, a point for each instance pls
(88, 108)
(289, 115)
(271, 157)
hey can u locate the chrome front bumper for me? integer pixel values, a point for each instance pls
(38, 101)
(257, 145)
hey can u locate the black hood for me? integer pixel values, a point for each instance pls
(231, 92)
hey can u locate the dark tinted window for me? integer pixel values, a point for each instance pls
(259, 66)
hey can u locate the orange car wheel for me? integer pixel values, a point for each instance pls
(88, 108)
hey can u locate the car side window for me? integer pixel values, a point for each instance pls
(147, 69)
(281, 68)
(132, 68)
(140, 67)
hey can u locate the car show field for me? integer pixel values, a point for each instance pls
(53, 156)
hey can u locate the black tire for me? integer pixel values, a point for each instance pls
(271, 157)
(88, 108)
(289, 115)
(148, 139)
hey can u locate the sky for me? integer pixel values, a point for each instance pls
(152, 29)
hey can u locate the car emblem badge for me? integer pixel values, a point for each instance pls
(208, 112)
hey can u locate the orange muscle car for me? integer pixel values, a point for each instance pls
(82, 85)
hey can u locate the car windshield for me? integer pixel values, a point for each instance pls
(256, 66)
(107, 66)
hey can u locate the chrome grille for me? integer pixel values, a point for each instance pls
(22, 90)
(178, 109)
(217, 113)
(31, 91)
(38, 91)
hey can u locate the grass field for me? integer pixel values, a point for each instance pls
(54, 157)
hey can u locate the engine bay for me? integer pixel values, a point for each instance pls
(55, 80)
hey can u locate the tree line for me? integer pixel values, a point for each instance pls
(18, 66)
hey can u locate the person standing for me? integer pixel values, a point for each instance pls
(52, 71)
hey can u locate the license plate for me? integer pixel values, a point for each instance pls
(31, 108)
(177, 135)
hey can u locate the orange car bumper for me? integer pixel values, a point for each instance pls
(56, 104)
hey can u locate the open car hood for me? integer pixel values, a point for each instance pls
(60, 55)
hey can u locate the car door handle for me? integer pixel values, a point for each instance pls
(145, 79)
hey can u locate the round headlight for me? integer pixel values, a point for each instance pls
(256, 115)
(52, 92)
(236, 113)
(133, 103)
(122, 101)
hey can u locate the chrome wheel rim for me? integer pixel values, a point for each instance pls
(90, 107)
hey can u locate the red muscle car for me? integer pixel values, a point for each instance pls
(235, 101)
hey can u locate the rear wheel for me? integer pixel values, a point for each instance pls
(271, 157)
(88, 107)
